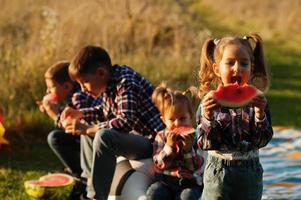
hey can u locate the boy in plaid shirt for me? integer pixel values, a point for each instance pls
(130, 121)
(65, 146)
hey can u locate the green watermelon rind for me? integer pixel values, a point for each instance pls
(227, 104)
(49, 192)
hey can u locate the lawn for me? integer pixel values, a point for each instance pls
(21, 163)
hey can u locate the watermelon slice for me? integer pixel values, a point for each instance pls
(183, 130)
(234, 95)
(52, 97)
(52, 186)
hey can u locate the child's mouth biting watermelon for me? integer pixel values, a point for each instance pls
(236, 79)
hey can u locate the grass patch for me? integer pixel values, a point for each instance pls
(24, 162)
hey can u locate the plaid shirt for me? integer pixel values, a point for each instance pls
(127, 104)
(77, 100)
(234, 130)
(82, 100)
(173, 162)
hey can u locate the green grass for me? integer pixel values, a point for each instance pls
(284, 95)
(24, 162)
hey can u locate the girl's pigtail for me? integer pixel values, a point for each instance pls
(206, 73)
(160, 95)
(259, 70)
(192, 94)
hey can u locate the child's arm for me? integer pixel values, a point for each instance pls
(262, 129)
(208, 130)
(164, 152)
(127, 98)
(83, 101)
(50, 108)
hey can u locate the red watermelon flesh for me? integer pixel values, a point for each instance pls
(55, 179)
(53, 97)
(234, 95)
(52, 186)
(183, 130)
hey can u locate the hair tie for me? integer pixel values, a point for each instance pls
(216, 41)
(251, 42)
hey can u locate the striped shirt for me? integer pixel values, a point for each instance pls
(127, 104)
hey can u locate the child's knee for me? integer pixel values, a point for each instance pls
(102, 137)
(53, 137)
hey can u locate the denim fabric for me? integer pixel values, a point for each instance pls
(86, 154)
(67, 148)
(226, 180)
(170, 188)
(107, 145)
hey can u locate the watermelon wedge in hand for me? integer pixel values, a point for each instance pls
(183, 130)
(234, 95)
(51, 97)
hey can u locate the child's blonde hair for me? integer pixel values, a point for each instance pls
(165, 98)
(212, 52)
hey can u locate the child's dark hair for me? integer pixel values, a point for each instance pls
(212, 52)
(87, 60)
(165, 98)
(58, 72)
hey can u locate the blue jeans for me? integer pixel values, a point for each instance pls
(232, 180)
(173, 188)
(107, 145)
(67, 148)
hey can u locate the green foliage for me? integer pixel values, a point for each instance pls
(161, 46)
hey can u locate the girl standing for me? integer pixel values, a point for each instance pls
(232, 137)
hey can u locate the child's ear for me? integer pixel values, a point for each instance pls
(101, 72)
(68, 86)
(216, 69)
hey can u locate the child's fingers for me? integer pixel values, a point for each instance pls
(259, 101)
(211, 106)
(66, 112)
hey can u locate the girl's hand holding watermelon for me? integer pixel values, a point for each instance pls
(171, 139)
(209, 105)
(259, 103)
